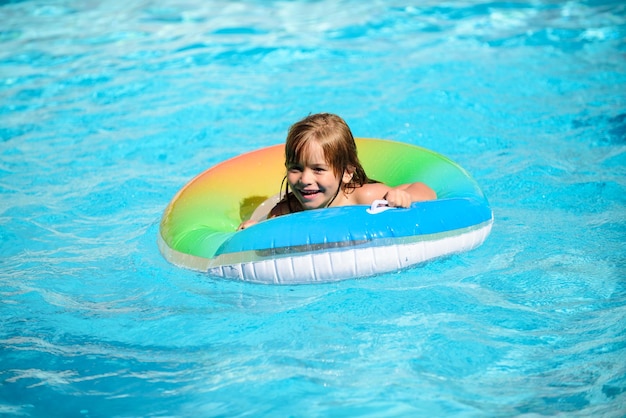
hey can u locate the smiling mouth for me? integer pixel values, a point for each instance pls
(309, 193)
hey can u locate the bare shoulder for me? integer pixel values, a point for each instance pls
(281, 208)
(367, 193)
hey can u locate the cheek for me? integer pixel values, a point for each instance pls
(334, 179)
(292, 178)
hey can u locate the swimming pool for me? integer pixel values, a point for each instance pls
(109, 108)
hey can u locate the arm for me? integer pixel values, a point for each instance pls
(400, 196)
(281, 208)
(246, 224)
(405, 194)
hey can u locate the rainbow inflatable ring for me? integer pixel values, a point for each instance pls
(198, 229)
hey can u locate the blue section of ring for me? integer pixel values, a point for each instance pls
(353, 223)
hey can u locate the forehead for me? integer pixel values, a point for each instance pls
(310, 152)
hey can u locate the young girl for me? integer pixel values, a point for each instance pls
(323, 170)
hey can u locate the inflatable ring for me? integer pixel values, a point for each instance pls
(198, 228)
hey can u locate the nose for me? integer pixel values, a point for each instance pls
(307, 176)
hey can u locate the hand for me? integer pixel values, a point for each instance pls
(398, 198)
(246, 224)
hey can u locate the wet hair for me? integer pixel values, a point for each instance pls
(334, 136)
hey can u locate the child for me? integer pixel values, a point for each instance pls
(323, 170)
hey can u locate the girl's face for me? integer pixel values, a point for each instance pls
(312, 181)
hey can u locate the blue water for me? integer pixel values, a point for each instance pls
(108, 108)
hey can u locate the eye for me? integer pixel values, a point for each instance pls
(294, 168)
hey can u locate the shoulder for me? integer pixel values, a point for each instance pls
(281, 208)
(367, 193)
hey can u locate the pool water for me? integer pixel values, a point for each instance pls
(108, 108)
